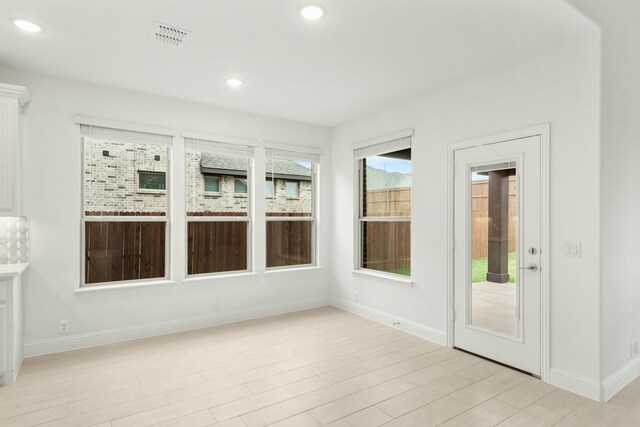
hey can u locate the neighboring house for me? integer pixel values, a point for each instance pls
(122, 177)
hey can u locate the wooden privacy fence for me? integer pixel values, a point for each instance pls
(392, 202)
(387, 245)
(216, 246)
(116, 251)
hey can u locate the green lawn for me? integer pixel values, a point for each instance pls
(403, 271)
(479, 269)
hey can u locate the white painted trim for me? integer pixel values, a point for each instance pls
(620, 379)
(295, 148)
(575, 384)
(125, 284)
(10, 270)
(383, 138)
(92, 339)
(219, 138)
(422, 331)
(19, 92)
(390, 277)
(116, 124)
(543, 131)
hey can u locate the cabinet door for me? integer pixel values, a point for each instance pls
(3, 338)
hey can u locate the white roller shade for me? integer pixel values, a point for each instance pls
(222, 148)
(382, 148)
(275, 153)
(121, 135)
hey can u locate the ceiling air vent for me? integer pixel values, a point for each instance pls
(169, 35)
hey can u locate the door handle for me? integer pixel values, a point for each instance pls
(530, 267)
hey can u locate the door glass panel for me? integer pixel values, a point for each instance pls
(494, 278)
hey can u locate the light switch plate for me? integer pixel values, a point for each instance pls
(572, 249)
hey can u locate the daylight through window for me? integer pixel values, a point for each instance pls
(125, 216)
(218, 177)
(291, 208)
(384, 219)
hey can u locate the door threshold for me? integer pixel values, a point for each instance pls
(496, 362)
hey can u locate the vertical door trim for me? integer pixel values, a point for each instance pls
(543, 131)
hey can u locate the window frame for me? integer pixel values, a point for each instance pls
(167, 219)
(272, 193)
(211, 193)
(227, 148)
(360, 219)
(238, 193)
(292, 196)
(315, 167)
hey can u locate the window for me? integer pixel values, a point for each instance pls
(292, 188)
(240, 186)
(211, 184)
(125, 232)
(218, 237)
(269, 187)
(152, 180)
(291, 222)
(384, 199)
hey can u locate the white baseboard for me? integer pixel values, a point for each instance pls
(92, 339)
(439, 337)
(620, 379)
(575, 384)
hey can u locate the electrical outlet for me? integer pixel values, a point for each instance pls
(217, 307)
(355, 296)
(64, 326)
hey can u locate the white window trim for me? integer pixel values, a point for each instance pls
(210, 145)
(80, 120)
(359, 219)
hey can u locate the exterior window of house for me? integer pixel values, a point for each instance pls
(211, 184)
(269, 187)
(291, 222)
(125, 232)
(240, 186)
(384, 199)
(152, 180)
(218, 228)
(293, 188)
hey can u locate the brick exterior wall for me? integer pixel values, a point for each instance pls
(111, 184)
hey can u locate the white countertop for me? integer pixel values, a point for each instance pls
(9, 270)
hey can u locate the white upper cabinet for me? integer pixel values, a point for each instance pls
(12, 100)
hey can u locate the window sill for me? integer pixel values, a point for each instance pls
(384, 276)
(149, 191)
(240, 196)
(96, 288)
(293, 268)
(212, 194)
(214, 276)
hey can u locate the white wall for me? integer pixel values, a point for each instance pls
(620, 187)
(560, 87)
(52, 202)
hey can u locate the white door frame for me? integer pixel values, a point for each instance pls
(542, 131)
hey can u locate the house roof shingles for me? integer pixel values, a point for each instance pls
(280, 168)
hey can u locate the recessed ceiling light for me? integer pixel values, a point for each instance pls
(234, 82)
(28, 26)
(312, 12)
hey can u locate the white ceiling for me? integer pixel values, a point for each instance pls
(363, 56)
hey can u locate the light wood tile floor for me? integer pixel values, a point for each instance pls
(305, 369)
